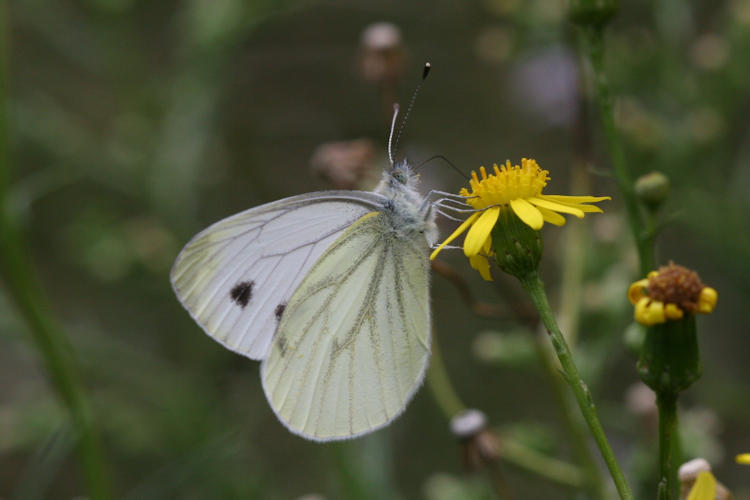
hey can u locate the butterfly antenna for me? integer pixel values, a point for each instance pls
(446, 160)
(425, 72)
(390, 136)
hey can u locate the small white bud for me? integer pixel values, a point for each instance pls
(468, 423)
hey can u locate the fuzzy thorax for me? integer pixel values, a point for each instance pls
(403, 203)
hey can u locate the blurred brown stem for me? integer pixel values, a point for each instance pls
(483, 309)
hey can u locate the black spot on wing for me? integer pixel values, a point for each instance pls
(242, 293)
(279, 311)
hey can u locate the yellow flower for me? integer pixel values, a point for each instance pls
(669, 294)
(743, 459)
(704, 487)
(520, 189)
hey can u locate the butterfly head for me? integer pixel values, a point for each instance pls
(400, 176)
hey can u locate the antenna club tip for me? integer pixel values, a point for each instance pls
(396, 107)
(426, 70)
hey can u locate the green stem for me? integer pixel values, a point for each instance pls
(534, 286)
(593, 46)
(540, 464)
(440, 384)
(667, 404)
(50, 341)
(576, 432)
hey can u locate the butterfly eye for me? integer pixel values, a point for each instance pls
(400, 176)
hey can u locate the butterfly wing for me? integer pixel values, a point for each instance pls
(235, 277)
(354, 340)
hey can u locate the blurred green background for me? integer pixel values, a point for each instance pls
(135, 124)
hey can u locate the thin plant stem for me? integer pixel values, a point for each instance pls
(48, 337)
(542, 465)
(534, 286)
(667, 405)
(572, 277)
(592, 41)
(440, 384)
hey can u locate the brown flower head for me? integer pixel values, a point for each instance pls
(669, 294)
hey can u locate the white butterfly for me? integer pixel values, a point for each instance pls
(331, 291)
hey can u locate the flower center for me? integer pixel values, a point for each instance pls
(676, 285)
(509, 182)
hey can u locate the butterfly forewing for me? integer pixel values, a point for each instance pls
(353, 342)
(236, 277)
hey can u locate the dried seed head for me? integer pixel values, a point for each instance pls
(677, 285)
(382, 53)
(479, 446)
(345, 164)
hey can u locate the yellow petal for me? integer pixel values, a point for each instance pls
(655, 312)
(552, 217)
(635, 292)
(671, 311)
(480, 231)
(707, 300)
(588, 208)
(649, 312)
(743, 459)
(557, 207)
(640, 312)
(460, 229)
(487, 248)
(575, 199)
(704, 487)
(481, 264)
(528, 213)
(580, 206)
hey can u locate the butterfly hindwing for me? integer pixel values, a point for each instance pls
(236, 276)
(353, 342)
